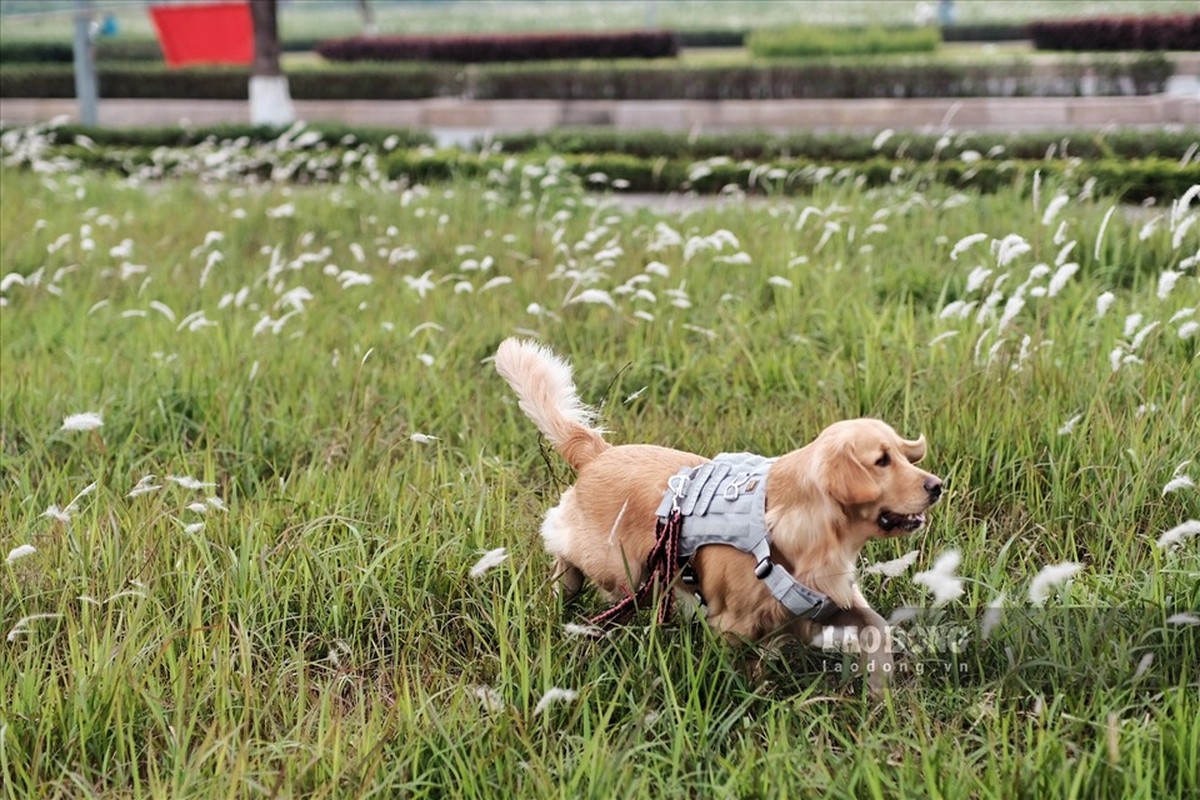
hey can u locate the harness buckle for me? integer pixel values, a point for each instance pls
(763, 568)
(678, 484)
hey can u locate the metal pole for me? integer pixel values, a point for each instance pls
(85, 63)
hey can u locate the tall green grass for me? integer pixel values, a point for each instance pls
(322, 636)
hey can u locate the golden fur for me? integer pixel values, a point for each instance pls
(824, 502)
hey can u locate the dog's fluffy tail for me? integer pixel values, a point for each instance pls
(546, 390)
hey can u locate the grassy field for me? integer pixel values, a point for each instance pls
(253, 579)
(29, 19)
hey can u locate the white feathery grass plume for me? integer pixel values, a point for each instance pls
(1179, 480)
(941, 580)
(586, 631)
(1182, 313)
(1103, 303)
(1176, 535)
(658, 268)
(1100, 233)
(881, 138)
(64, 514)
(1188, 329)
(425, 326)
(199, 508)
(193, 528)
(188, 482)
(1069, 425)
(1053, 207)
(554, 695)
(1148, 229)
(426, 359)
(1010, 248)
(1142, 334)
(894, 568)
(1166, 282)
(1180, 206)
(1061, 258)
(144, 486)
(952, 309)
(1064, 274)
(780, 281)
(163, 309)
(490, 560)
(1011, 309)
(489, 698)
(1181, 230)
(1060, 235)
(1050, 576)
(86, 421)
(22, 625)
(941, 337)
(978, 276)
(1037, 192)
(422, 438)
(595, 296)
(1183, 618)
(421, 285)
(20, 552)
(1143, 665)
(60, 514)
(993, 615)
(1131, 324)
(499, 280)
(213, 259)
(217, 503)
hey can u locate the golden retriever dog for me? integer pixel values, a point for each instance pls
(855, 482)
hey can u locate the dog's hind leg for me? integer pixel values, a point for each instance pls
(556, 535)
(568, 578)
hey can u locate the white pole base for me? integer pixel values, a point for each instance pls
(270, 101)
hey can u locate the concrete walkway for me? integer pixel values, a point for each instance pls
(454, 118)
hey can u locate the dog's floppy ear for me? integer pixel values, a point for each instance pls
(914, 451)
(848, 481)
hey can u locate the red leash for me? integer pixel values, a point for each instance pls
(662, 567)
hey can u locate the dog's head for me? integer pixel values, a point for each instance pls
(869, 470)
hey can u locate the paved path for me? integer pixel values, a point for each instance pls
(454, 119)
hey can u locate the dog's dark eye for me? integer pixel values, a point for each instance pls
(883, 461)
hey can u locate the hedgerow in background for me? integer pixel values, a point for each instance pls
(1146, 32)
(503, 47)
(811, 40)
(866, 77)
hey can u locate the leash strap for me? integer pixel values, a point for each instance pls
(662, 566)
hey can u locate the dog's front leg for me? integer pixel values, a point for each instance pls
(874, 643)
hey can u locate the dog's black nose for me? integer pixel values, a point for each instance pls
(933, 487)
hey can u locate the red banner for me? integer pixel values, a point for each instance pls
(205, 33)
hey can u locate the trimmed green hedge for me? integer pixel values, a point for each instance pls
(812, 40)
(812, 79)
(331, 133)
(60, 51)
(855, 147)
(756, 146)
(1128, 180)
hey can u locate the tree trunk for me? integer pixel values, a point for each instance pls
(368, 18)
(270, 100)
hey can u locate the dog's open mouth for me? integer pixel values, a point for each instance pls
(890, 522)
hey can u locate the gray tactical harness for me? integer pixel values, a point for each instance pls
(724, 502)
